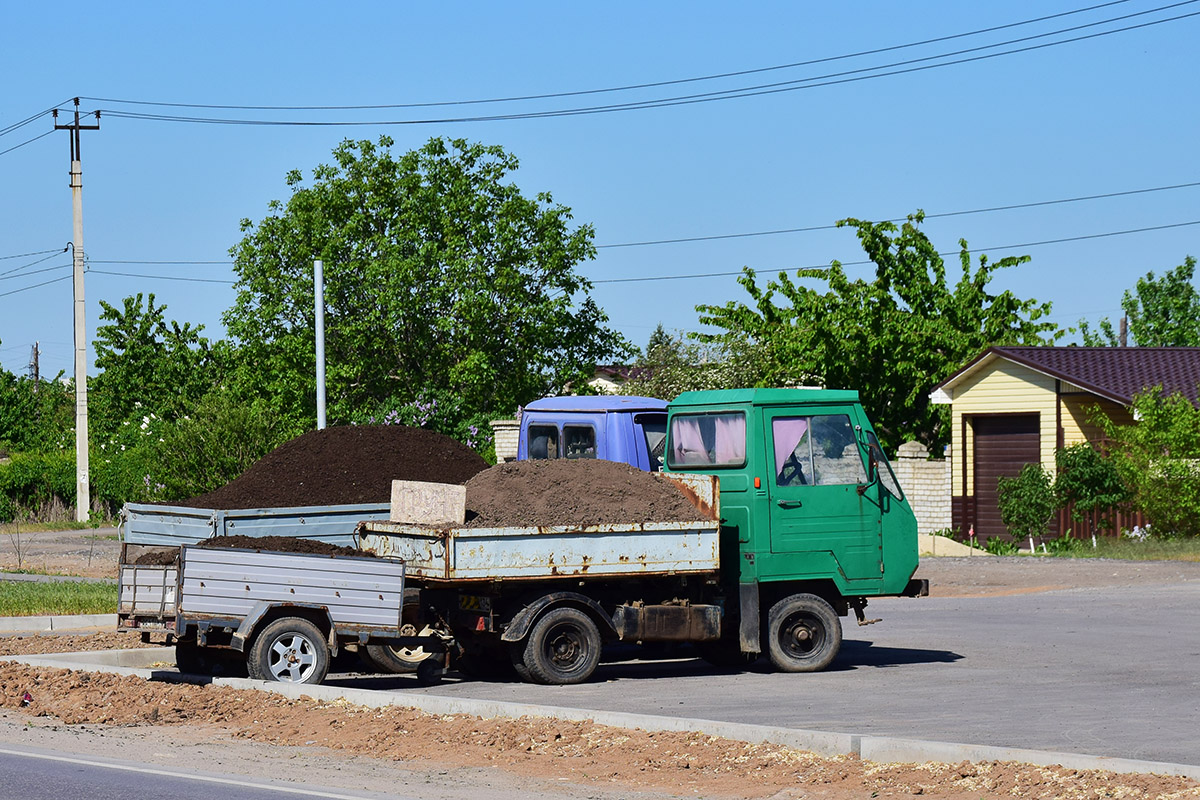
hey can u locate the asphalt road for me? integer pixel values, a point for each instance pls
(32, 774)
(1109, 671)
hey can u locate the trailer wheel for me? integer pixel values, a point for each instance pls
(289, 650)
(563, 647)
(804, 633)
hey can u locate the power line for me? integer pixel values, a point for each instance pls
(34, 253)
(29, 119)
(941, 255)
(729, 94)
(159, 277)
(36, 285)
(27, 141)
(776, 232)
(941, 215)
(31, 263)
(7, 277)
(611, 89)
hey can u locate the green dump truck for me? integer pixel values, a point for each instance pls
(810, 524)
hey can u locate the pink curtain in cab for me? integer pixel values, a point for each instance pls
(787, 433)
(687, 444)
(731, 439)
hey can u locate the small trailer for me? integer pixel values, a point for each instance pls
(171, 526)
(284, 614)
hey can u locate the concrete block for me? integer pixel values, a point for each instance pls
(424, 503)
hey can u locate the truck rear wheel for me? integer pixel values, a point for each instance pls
(562, 648)
(386, 658)
(289, 650)
(804, 633)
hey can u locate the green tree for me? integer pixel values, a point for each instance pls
(147, 365)
(1162, 312)
(35, 416)
(444, 287)
(893, 338)
(1158, 458)
(675, 364)
(1027, 502)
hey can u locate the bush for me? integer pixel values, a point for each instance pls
(34, 480)
(1027, 502)
(1090, 481)
(210, 447)
(1158, 458)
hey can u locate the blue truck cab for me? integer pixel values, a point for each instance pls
(632, 430)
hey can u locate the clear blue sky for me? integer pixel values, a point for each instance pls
(1109, 114)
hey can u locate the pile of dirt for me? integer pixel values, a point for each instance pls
(345, 465)
(286, 544)
(576, 492)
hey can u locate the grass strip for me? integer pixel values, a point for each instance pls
(36, 598)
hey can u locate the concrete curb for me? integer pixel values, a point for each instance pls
(879, 749)
(58, 623)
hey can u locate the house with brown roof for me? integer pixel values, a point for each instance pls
(1018, 405)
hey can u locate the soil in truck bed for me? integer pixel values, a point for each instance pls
(344, 465)
(578, 492)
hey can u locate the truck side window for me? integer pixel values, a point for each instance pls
(836, 457)
(708, 440)
(579, 441)
(543, 441)
(819, 450)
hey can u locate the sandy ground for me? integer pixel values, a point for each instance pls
(240, 731)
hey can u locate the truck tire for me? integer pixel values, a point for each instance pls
(804, 634)
(289, 650)
(563, 647)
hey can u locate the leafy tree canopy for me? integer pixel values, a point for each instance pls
(1162, 312)
(447, 291)
(892, 338)
(674, 364)
(147, 365)
(35, 415)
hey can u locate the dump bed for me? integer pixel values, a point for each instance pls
(633, 548)
(361, 594)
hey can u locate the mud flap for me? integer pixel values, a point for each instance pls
(748, 629)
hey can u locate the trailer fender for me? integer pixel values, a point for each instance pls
(518, 627)
(259, 611)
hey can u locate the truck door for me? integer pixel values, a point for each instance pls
(822, 509)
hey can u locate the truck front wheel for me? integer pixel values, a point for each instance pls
(804, 634)
(289, 650)
(562, 648)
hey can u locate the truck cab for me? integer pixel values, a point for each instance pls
(630, 429)
(809, 502)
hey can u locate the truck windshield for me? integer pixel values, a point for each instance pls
(654, 428)
(708, 440)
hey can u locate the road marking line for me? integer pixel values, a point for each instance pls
(184, 775)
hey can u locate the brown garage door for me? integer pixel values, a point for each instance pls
(1003, 444)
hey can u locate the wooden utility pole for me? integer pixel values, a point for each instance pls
(35, 365)
(83, 499)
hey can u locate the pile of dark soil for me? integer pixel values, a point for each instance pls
(576, 492)
(345, 465)
(286, 544)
